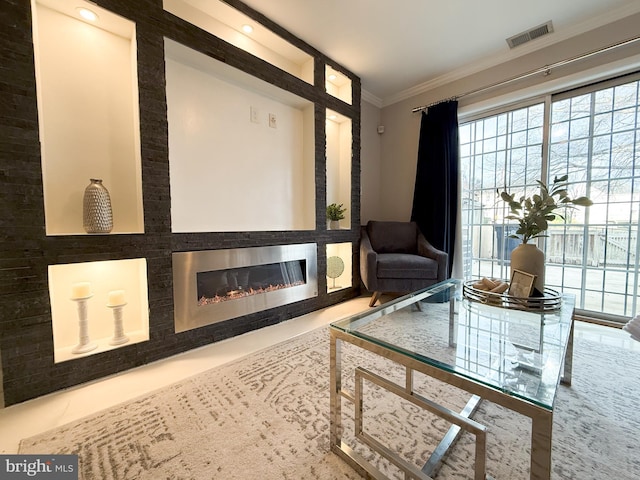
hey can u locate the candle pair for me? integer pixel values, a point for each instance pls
(82, 290)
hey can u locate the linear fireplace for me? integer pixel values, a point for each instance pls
(215, 285)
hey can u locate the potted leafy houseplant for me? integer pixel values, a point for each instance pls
(533, 215)
(335, 213)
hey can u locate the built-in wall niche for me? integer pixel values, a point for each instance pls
(339, 148)
(98, 306)
(240, 30)
(339, 266)
(241, 151)
(86, 78)
(338, 84)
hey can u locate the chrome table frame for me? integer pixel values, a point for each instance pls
(541, 418)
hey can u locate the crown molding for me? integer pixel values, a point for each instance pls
(371, 98)
(534, 45)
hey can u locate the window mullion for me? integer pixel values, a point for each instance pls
(585, 227)
(544, 168)
(636, 154)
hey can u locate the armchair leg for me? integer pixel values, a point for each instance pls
(374, 298)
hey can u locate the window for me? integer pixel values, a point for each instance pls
(593, 135)
(497, 151)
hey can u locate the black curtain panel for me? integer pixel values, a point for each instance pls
(435, 198)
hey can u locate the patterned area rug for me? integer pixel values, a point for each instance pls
(266, 416)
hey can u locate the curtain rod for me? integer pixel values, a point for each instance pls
(546, 70)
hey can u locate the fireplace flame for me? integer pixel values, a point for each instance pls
(234, 294)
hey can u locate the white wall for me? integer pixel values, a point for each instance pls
(88, 115)
(346, 141)
(370, 166)
(227, 172)
(332, 132)
(399, 143)
(338, 153)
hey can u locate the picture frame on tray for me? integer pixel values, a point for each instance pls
(521, 285)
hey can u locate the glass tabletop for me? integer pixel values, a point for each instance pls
(514, 351)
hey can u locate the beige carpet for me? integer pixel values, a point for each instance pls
(266, 417)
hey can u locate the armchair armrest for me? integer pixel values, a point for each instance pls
(425, 249)
(368, 262)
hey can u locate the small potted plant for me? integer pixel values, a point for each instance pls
(335, 213)
(533, 215)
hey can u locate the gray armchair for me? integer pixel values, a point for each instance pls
(396, 257)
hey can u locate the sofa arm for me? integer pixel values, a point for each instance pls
(368, 262)
(425, 249)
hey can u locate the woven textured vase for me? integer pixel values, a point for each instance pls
(97, 216)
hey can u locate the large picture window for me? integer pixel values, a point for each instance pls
(593, 135)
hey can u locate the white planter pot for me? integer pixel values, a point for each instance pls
(527, 257)
(334, 224)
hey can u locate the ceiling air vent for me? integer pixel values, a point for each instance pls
(530, 34)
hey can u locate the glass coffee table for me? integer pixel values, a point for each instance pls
(511, 357)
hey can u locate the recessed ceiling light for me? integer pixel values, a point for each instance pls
(332, 76)
(247, 28)
(87, 14)
(333, 117)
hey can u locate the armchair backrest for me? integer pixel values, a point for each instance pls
(393, 237)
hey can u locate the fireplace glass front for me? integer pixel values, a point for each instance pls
(236, 283)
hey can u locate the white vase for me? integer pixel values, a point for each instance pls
(334, 224)
(527, 257)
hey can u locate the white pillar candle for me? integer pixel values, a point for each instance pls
(80, 290)
(116, 297)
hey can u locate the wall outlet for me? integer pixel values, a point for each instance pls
(272, 120)
(255, 115)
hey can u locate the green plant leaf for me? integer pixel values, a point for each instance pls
(534, 213)
(582, 201)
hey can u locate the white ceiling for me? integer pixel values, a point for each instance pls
(400, 45)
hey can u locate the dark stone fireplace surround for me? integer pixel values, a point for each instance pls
(26, 343)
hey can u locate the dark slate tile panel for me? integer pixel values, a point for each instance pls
(26, 342)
